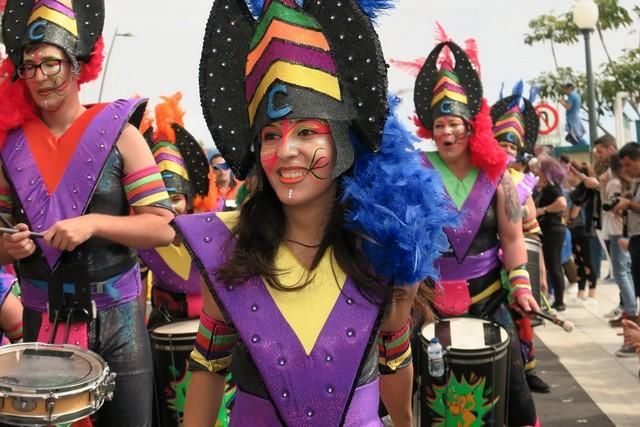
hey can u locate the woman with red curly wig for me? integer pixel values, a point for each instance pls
(451, 110)
(73, 173)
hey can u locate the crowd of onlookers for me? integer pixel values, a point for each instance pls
(589, 211)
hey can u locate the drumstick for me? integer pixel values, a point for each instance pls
(32, 234)
(567, 325)
(550, 309)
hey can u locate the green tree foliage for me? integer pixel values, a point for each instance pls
(616, 75)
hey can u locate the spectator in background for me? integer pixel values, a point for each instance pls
(581, 223)
(630, 160)
(225, 181)
(574, 127)
(551, 205)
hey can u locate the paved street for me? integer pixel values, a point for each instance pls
(586, 358)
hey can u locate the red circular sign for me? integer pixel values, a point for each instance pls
(549, 118)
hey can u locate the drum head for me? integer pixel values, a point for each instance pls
(186, 328)
(37, 368)
(466, 333)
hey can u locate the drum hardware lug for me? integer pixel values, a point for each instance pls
(50, 405)
(108, 387)
(23, 404)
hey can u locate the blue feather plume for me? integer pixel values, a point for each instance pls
(517, 92)
(399, 206)
(255, 7)
(374, 8)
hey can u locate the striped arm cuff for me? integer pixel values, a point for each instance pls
(213, 346)
(394, 349)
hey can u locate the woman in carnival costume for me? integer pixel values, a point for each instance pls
(73, 173)
(309, 286)
(176, 293)
(515, 127)
(451, 110)
(184, 168)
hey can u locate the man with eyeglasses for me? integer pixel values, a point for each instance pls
(72, 174)
(225, 181)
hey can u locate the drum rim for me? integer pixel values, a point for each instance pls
(194, 331)
(80, 386)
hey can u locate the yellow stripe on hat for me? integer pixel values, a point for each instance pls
(170, 166)
(510, 129)
(449, 94)
(298, 75)
(43, 12)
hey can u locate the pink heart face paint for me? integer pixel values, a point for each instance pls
(297, 155)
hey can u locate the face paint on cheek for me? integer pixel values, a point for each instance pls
(268, 159)
(317, 163)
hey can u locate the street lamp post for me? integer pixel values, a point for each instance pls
(585, 16)
(106, 63)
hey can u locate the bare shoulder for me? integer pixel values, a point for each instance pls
(134, 149)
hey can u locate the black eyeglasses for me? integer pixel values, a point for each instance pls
(50, 67)
(222, 166)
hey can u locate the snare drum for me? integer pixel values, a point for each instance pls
(534, 266)
(43, 384)
(473, 390)
(172, 343)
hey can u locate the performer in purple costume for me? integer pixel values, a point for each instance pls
(299, 301)
(451, 110)
(176, 293)
(73, 173)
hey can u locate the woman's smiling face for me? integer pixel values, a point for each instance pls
(298, 157)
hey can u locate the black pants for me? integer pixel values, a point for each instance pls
(552, 240)
(581, 245)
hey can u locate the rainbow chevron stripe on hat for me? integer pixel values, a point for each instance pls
(448, 88)
(288, 46)
(169, 158)
(510, 127)
(59, 12)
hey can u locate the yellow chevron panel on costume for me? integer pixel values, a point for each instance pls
(307, 310)
(449, 94)
(56, 17)
(177, 258)
(298, 75)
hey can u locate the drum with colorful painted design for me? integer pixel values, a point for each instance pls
(172, 344)
(473, 390)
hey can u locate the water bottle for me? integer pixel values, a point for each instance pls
(436, 358)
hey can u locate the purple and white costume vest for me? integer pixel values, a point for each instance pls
(279, 384)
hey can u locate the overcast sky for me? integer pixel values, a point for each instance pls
(163, 55)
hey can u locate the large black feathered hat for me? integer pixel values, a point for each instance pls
(322, 60)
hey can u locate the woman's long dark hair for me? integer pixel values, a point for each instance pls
(260, 232)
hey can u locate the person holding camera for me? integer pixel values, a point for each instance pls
(582, 225)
